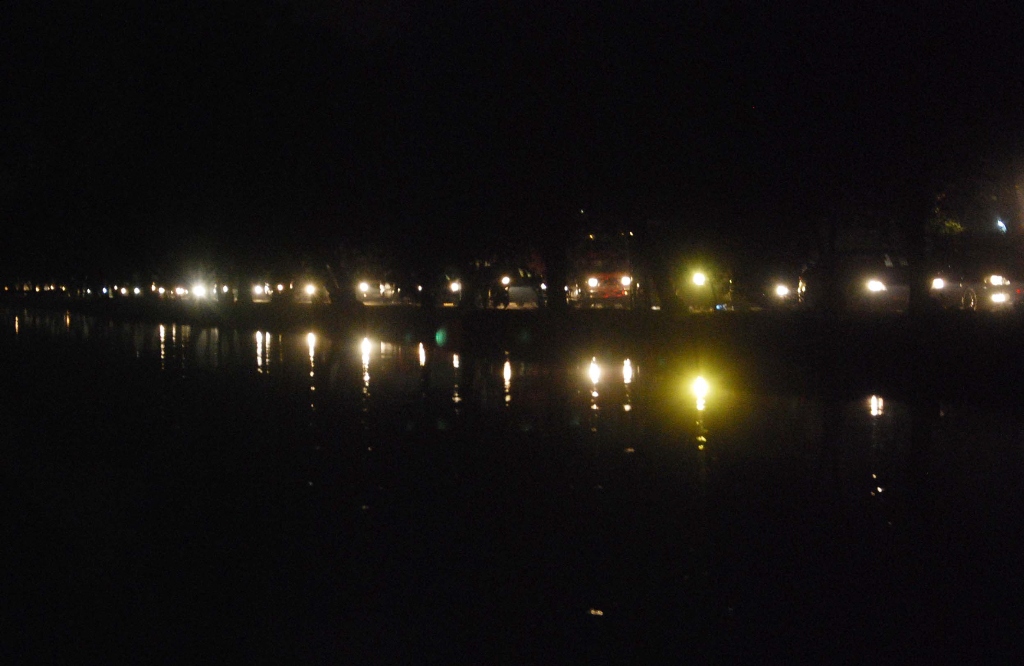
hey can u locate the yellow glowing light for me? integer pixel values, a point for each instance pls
(161, 290)
(180, 291)
(423, 355)
(626, 280)
(455, 361)
(700, 388)
(124, 291)
(136, 291)
(700, 405)
(224, 289)
(365, 347)
(310, 290)
(506, 373)
(592, 282)
(199, 291)
(594, 371)
(258, 290)
(280, 287)
(364, 287)
(877, 405)
(998, 280)
(505, 280)
(455, 286)
(1000, 298)
(627, 372)
(311, 341)
(699, 279)
(876, 285)
(781, 291)
(938, 283)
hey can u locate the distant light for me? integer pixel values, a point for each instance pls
(280, 287)
(592, 282)
(87, 291)
(594, 371)
(124, 291)
(311, 341)
(419, 287)
(136, 291)
(258, 290)
(997, 280)
(455, 286)
(365, 347)
(543, 287)
(104, 290)
(700, 388)
(455, 361)
(224, 289)
(423, 355)
(938, 283)
(505, 280)
(310, 289)
(626, 280)
(877, 405)
(180, 291)
(199, 291)
(781, 291)
(364, 287)
(506, 373)
(627, 372)
(876, 285)
(999, 298)
(1001, 226)
(152, 287)
(160, 290)
(699, 279)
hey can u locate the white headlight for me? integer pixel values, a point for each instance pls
(699, 279)
(455, 286)
(876, 285)
(199, 291)
(364, 287)
(592, 282)
(997, 280)
(258, 290)
(310, 289)
(505, 280)
(626, 280)
(781, 291)
(938, 283)
(1000, 298)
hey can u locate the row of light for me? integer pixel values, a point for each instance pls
(625, 281)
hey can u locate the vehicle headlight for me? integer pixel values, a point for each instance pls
(592, 282)
(626, 280)
(998, 280)
(455, 286)
(258, 290)
(310, 290)
(938, 283)
(781, 291)
(1000, 298)
(364, 287)
(505, 280)
(876, 285)
(699, 279)
(199, 291)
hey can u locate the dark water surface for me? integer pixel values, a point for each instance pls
(176, 493)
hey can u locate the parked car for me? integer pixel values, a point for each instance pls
(974, 289)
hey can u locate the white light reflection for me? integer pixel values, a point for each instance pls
(876, 405)
(594, 372)
(455, 361)
(163, 349)
(627, 372)
(423, 355)
(259, 352)
(506, 373)
(364, 348)
(456, 398)
(311, 341)
(17, 326)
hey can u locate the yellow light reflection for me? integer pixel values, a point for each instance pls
(259, 352)
(423, 355)
(506, 373)
(365, 347)
(594, 371)
(876, 405)
(17, 328)
(311, 341)
(700, 389)
(455, 361)
(627, 372)
(163, 349)
(699, 279)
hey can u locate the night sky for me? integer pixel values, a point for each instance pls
(140, 133)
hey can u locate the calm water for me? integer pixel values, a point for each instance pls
(339, 495)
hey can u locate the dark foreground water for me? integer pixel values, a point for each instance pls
(181, 493)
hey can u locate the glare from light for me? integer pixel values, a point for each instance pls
(136, 291)
(627, 372)
(700, 388)
(124, 291)
(543, 287)
(1001, 226)
(161, 291)
(592, 282)
(506, 374)
(701, 404)
(199, 291)
(505, 280)
(626, 280)
(781, 291)
(310, 290)
(594, 371)
(423, 355)
(311, 341)
(876, 285)
(999, 298)
(152, 287)
(699, 279)
(938, 283)
(455, 286)
(224, 289)
(180, 291)
(280, 287)
(364, 287)
(258, 290)
(104, 290)
(455, 361)
(365, 347)
(877, 405)
(998, 280)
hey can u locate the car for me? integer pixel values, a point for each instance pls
(976, 289)
(602, 272)
(865, 282)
